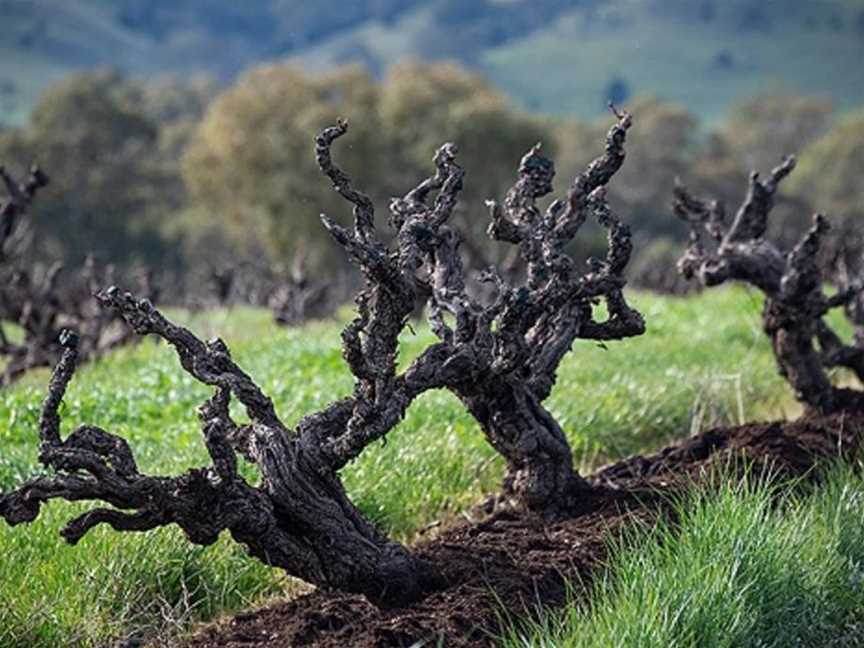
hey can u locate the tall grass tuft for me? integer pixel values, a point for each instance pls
(745, 565)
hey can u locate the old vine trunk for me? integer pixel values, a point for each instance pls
(499, 358)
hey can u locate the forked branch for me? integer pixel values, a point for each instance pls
(510, 350)
(791, 282)
(499, 358)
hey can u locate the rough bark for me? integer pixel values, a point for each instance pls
(509, 351)
(540, 474)
(803, 343)
(499, 358)
(299, 517)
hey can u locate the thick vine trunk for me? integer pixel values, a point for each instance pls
(540, 474)
(795, 303)
(313, 531)
(792, 334)
(299, 518)
(511, 348)
(499, 358)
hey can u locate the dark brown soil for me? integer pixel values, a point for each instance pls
(512, 563)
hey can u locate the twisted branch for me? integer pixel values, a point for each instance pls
(499, 358)
(370, 341)
(791, 281)
(92, 464)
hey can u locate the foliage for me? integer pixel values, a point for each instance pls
(113, 181)
(764, 129)
(249, 189)
(250, 163)
(98, 144)
(829, 173)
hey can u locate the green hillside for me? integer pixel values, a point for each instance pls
(702, 64)
(557, 56)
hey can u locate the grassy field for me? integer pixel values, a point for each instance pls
(704, 360)
(738, 570)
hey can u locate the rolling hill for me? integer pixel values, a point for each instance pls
(555, 56)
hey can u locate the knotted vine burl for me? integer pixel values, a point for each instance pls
(499, 358)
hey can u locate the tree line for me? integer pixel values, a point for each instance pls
(188, 176)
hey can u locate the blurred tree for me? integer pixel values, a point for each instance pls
(762, 130)
(176, 106)
(829, 173)
(715, 170)
(248, 187)
(249, 163)
(108, 189)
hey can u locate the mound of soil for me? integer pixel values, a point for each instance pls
(510, 564)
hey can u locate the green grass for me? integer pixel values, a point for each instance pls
(738, 570)
(704, 360)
